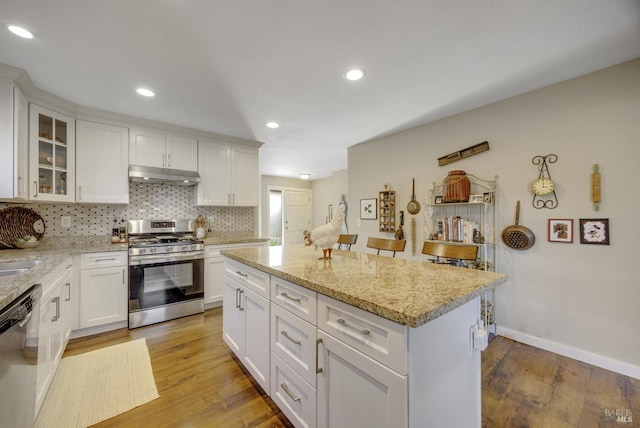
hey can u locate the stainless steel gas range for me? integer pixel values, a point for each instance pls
(166, 271)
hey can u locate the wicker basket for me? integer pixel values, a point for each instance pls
(16, 222)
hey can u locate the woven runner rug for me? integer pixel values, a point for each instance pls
(98, 385)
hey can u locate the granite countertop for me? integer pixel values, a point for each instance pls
(54, 251)
(405, 291)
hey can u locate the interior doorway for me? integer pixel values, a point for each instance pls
(289, 215)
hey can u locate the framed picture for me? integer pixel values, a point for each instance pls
(476, 199)
(560, 230)
(438, 199)
(594, 231)
(369, 209)
(488, 197)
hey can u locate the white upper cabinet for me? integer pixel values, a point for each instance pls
(51, 155)
(14, 142)
(102, 162)
(155, 149)
(229, 175)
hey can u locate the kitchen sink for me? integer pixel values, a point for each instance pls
(13, 268)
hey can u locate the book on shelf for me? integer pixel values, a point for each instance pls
(455, 229)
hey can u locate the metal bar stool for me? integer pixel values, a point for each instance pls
(386, 244)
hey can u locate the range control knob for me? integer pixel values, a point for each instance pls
(185, 248)
(153, 250)
(142, 251)
(193, 247)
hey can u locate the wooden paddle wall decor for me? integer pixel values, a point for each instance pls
(464, 153)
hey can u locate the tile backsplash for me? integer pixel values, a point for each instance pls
(146, 201)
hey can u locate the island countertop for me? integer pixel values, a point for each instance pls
(405, 291)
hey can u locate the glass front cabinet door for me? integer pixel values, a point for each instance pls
(51, 155)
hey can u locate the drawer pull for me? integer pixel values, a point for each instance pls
(242, 274)
(293, 299)
(108, 259)
(318, 342)
(342, 322)
(285, 334)
(286, 389)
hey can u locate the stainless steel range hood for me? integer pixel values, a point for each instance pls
(147, 174)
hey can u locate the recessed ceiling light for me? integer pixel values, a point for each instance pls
(145, 92)
(354, 74)
(305, 176)
(19, 31)
(272, 125)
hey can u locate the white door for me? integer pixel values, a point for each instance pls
(256, 336)
(232, 317)
(102, 163)
(103, 296)
(356, 391)
(297, 215)
(147, 148)
(182, 153)
(245, 177)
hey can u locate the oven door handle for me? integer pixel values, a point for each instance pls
(165, 258)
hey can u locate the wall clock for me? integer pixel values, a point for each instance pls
(544, 188)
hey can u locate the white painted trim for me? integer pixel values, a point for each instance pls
(571, 352)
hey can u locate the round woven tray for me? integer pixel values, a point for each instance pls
(16, 222)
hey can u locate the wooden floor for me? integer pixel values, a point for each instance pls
(201, 384)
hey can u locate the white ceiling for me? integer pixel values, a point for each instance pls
(229, 66)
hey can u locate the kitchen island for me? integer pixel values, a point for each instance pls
(359, 340)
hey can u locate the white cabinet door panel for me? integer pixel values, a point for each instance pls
(103, 296)
(357, 392)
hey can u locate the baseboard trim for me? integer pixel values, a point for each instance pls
(574, 353)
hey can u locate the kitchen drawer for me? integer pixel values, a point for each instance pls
(295, 397)
(105, 259)
(379, 338)
(251, 278)
(294, 341)
(298, 300)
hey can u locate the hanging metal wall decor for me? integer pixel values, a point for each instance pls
(543, 188)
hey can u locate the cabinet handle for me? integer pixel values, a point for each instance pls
(286, 389)
(242, 274)
(344, 323)
(108, 259)
(20, 186)
(228, 198)
(79, 193)
(318, 342)
(35, 189)
(285, 334)
(123, 276)
(169, 161)
(240, 303)
(68, 284)
(56, 300)
(234, 199)
(293, 299)
(237, 298)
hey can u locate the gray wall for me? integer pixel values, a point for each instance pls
(579, 300)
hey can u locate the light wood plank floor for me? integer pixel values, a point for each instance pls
(201, 384)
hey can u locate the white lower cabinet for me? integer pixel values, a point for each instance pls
(246, 324)
(334, 365)
(52, 335)
(103, 288)
(357, 391)
(214, 271)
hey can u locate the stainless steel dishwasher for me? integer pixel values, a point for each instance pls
(19, 323)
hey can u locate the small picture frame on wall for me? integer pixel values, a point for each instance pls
(438, 199)
(560, 230)
(476, 199)
(594, 231)
(368, 209)
(488, 197)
